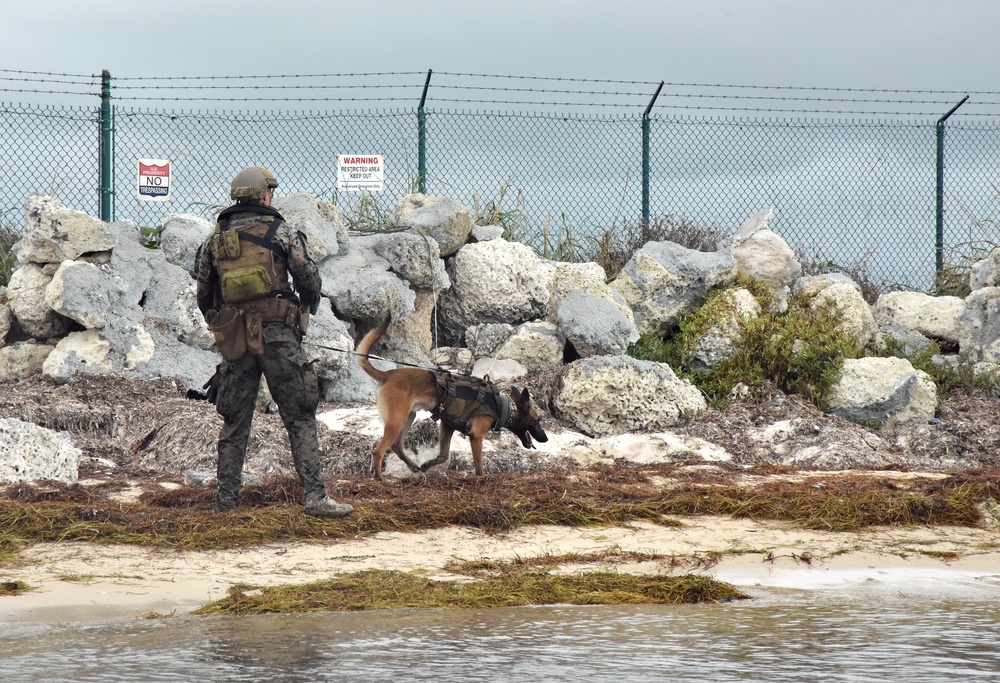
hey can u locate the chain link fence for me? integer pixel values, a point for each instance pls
(845, 192)
(842, 192)
(48, 150)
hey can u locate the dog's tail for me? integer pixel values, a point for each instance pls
(361, 353)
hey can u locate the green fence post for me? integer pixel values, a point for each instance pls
(939, 213)
(107, 151)
(422, 139)
(645, 155)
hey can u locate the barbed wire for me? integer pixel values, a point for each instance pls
(766, 110)
(730, 97)
(536, 103)
(729, 85)
(47, 80)
(264, 99)
(205, 78)
(672, 84)
(47, 73)
(50, 92)
(262, 87)
(603, 93)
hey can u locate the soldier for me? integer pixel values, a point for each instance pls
(258, 320)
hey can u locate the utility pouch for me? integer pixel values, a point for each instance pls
(255, 334)
(230, 334)
(303, 320)
(225, 245)
(246, 283)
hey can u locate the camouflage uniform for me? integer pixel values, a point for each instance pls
(289, 374)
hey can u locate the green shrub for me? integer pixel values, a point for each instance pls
(953, 278)
(362, 212)
(150, 237)
(8, 237)
(800, 351)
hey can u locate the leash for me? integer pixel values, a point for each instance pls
(370, 356)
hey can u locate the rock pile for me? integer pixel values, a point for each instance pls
(94, 298)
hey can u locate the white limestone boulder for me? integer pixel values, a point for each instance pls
(26, 297)
(494, 282)
(53, 233)
(537, 344)
(484, 340)
(981, 321)
(935, 317)
(762, 254)
(985, 272)
(6, 317)
(807, 443)
(321, 226)
(595, 325)
(22, 359)
(855, 317)
(328, 344)
(606, 395)
(587, 278)
(188, 322)
(181, 236)
(444, 220)
(361, 286)
(664, 281)
(657, 448)
(498, 369)
(84, 292)
(30, 453)
(883, 392)
(130, 349)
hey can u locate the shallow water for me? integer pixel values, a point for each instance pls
(791, 636)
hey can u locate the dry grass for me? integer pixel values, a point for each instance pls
(380, 589)
(616, 246)
(14, 587)
(547, 561)
(182, 518)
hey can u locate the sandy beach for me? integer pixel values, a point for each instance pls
(78, 582)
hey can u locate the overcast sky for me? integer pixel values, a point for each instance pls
(911, 44)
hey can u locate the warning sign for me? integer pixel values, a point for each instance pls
(357, 172)
(153, 180)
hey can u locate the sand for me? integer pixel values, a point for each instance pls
(79, 582)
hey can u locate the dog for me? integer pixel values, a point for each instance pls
(404, 391)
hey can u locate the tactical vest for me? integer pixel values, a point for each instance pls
(251, 265)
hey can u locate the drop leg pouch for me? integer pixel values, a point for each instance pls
(230, 334)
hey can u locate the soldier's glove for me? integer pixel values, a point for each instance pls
(211, 387)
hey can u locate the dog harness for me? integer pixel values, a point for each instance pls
(461, 398)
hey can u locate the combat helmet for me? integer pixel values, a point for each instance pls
(252, 183)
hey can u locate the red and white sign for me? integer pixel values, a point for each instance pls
(154, 180)
(359, 172)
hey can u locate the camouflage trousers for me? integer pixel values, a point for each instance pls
(294, 388)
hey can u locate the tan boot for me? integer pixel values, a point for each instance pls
(321, 505)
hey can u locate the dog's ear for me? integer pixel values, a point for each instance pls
(521, 398)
